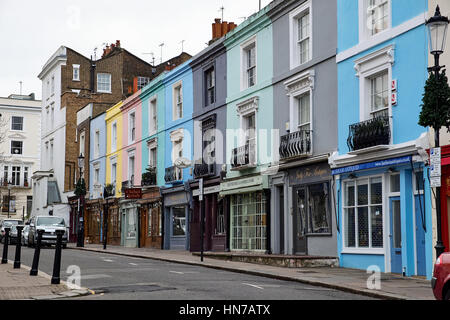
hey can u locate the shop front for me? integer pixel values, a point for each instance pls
(114, 221)
(445, 196)
(385, 216)
(151, 226)
(215, 218)
(93, 216)
(176, 218)
(249, 205)
(129, 213)
(309, 229)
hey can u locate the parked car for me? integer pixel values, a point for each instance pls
(25, 235)
(7, 223)
(13, 237)
(440, 282)
(49, 224)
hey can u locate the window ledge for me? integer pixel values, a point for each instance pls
(377, 251)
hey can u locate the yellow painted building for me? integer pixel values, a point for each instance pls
(113, 147)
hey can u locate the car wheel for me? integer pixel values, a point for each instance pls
(447, 294)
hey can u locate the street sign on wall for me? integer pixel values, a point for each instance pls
(133, 193)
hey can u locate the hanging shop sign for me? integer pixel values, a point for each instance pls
(133, 193)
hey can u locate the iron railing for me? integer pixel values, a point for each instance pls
(173, 174)
(203, 170)
(295, 144)
(149, 178)
(243, 156)
(369, 133)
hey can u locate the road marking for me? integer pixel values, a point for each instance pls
(95, 276)
(253, 285)
(133, 264)
(177, 272)
(108, 260)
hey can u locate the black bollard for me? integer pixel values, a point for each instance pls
(57, 263)
(18, 247)
(5, 246)
(37, 253)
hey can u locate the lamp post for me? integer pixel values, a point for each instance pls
(80, 193)
(437, 32)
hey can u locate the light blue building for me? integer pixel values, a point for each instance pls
(97, 156)
(178, 145)
(380, 181)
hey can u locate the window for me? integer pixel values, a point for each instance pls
(16, 147)
(82, 143)
(12, 203)
(47, 117)
(52, 116)
(96, 144)
(142, 82)
(5, 174)
(209, 146)
(96, 175)
(15, 179)
(250, 65)
(131, 225)
(178, 102)
(113, 173)
(131, 168)
(104, 82)
(76, 72)
(51, 153)
(53, 84)
(17, 123)
(313, 205)
(250, 135)
(220, 219)
(210, 82)
(363, 213)
(152, 157)
(153, 121)
(25, 176)
(379, 95)
(303, 37)
(114, 137)
(178, 153)
(53, 193)
(248, 221)
(378, 15)
(132, 127)
(179, 221)
(304, 112)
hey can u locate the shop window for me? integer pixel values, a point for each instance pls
(131, 225)
(363, 213)
(314, 209)
(179, 222)
(395, 183)
(220, 219)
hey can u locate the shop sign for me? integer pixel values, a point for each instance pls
(175, 198)
(372, 165)
(309, 174)
(133, 193)
(207, 190)
(241, 183)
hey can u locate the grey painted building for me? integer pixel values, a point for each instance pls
(209, 68)
(305, 112)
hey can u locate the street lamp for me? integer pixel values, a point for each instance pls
(437, 32)
(80, 235)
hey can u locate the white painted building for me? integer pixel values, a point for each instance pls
(20, 130)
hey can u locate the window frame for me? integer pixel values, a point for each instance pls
(23, 123)
(114, 136)
(294, 48)
(245, 46)
(208, 88)
(132, 115)
(153, 115)
(365, 33)
(99, 82)
(76, 67)
(21, 148)
(177, 106)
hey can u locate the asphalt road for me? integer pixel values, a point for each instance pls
(127, 278)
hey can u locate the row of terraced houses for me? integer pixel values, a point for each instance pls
(295, 132)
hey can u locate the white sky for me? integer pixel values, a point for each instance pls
(31, 31)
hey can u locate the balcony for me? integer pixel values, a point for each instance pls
(173, 175)
(369, 133)
(295, 144)
(149, 177)
(202, 170)
(243, 157)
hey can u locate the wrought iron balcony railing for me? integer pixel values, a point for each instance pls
(173, 174)
(204, 170)
(295, 144)
(369, 133)
(149, 178)
(243, 156)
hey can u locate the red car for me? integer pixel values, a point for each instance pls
(441, 277)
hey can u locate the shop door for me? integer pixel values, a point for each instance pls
(300, 222)
(420, 235)
(396, 235)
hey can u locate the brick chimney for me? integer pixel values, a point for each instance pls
(110, 48)
(221, 28)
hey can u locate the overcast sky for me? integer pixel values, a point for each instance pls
(31, 31)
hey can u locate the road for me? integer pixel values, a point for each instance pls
(127, 278)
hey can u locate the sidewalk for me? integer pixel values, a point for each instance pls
(351, 280)
(17, 284)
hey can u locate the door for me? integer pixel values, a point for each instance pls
(300, 221)
(281, 212)
(144, 227)
(396, 235)
(420, 235)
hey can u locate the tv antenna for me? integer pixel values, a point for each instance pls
(153, 57)
(222, 9)
(182, 41)
(161, 45)
(20, 82)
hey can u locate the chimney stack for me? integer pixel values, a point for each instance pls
(221, 28)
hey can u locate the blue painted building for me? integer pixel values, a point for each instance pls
(178, 145)
(382, 196)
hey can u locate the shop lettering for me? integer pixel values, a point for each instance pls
(190, 310)
(306, 173)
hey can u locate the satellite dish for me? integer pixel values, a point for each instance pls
(182, 163)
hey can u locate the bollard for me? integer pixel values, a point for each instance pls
(5, 246)
(57, 263)
(37, 253)
(18, 247)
